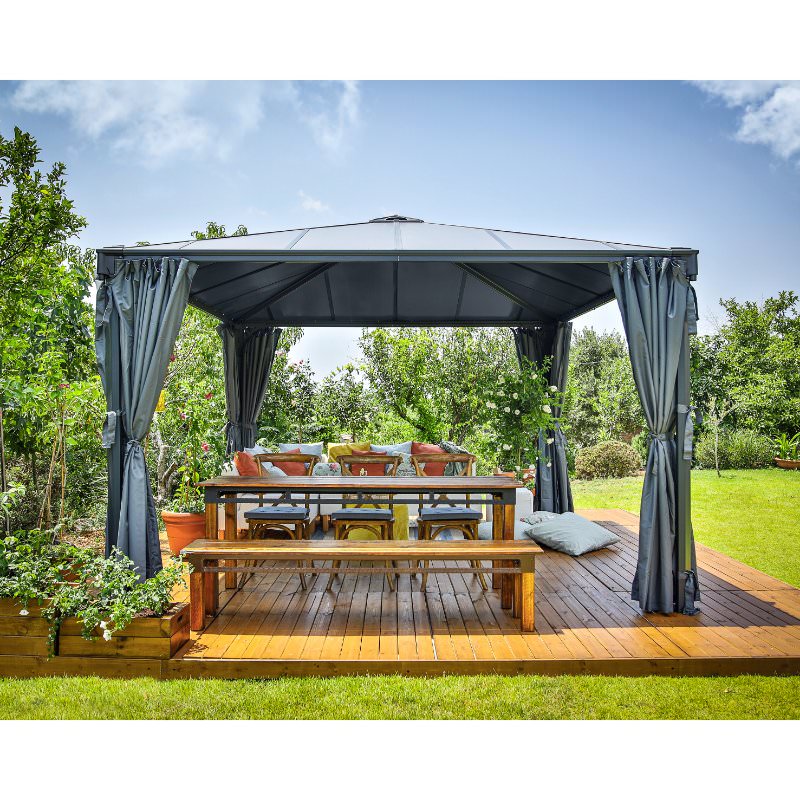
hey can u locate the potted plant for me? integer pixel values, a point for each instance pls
(788, 447)
(184, 518)
(516, 409)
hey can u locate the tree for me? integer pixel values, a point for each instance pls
(437, 380)
(601, 402)
(44, 319)
(346, 404)
(752, 363)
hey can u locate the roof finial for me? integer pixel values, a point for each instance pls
(396, 218)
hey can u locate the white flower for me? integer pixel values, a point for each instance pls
(507, 410)
(516, 411)
(549, 463)
(490, 404)
(546, 408)
(518, 469)
(107, 635)
(506, 447)
(554, 389)
(515, 396)
(550, 440)
(103, 624)
(24, 612)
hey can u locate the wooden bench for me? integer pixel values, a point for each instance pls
(516, 559)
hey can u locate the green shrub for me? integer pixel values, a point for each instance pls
(607, 460)
(738, 449)
(641, 444)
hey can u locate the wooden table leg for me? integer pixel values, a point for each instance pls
(197, 606)
(230, 536)
(497, 535)
(507, 586)
(212, 532)
(527, 581)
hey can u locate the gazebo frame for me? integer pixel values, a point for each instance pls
(400, 271)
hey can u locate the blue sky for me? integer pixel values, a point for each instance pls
(714, 166)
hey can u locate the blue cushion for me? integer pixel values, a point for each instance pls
(449, 512)
(277, 512)
(569, 533)
(363, 513)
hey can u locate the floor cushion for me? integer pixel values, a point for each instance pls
(419, 449)
(277, 512)
(569, 533)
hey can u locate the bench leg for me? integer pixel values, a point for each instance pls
(230, 536)
(197, 610)
(507, 585)
(517, 609)
(210, 591)
(527, 582)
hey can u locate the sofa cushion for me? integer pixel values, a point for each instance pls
(345, 449)
(293, 467)
(373, 470)
(420, 449)
(402, 447)
(245, 464)
(569, 533)
(311, 449)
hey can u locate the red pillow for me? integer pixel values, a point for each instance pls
(292, 467)
(245, 464)
(372, 469)
(432, 469)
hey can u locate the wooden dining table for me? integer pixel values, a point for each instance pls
(497, 491)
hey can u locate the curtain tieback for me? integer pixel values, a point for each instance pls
(660, 437)
(109, 434)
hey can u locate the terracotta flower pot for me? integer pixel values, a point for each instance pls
(501, 474)
(788, 463)
(182, 529)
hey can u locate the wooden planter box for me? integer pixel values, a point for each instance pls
(146, 637)
(22, 635)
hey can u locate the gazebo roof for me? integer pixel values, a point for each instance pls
(397, 270)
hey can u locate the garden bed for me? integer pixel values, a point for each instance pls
(145, 637)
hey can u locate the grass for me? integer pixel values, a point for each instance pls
(751, 515)
(396, 697)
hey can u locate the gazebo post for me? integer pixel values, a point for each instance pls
(683, 472)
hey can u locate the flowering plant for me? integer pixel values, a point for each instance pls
(200, 461)
(517, 407)
(68, 581)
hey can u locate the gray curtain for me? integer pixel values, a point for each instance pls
(654, 297)
(149, 297)
(248, 354)
(553, 492)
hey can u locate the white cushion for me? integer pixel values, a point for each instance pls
(524, 504)
(403, 447)
(520, 530)
(310, 449)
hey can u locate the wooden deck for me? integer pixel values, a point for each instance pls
(585, 623)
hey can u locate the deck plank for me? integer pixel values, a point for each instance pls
(584, 615)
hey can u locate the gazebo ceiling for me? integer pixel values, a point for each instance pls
(397, 271)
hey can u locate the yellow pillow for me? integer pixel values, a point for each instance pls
(345, 449)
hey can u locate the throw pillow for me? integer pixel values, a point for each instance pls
(403, 447)
(293, 467)
(269, 469)
(345, 449)
(245, 464)
(432, 469)
(373, 470)
(312, 449)
(521, 530)
(327, 470)
(571, 534)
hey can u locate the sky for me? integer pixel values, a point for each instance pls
(711, 165)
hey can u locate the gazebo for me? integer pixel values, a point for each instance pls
(401, 271)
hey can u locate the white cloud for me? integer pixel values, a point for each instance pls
(330, 109)
(311, 203)
(159, 120)
(770, 112)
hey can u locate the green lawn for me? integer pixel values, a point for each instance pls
(484, 697)
(751, 515)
